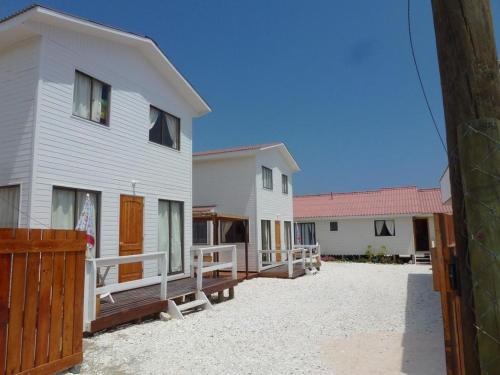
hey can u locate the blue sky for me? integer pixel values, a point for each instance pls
(333, 80)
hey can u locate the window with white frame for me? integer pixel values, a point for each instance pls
(164, 128)
(288, 235)
(171, 233)
(284, 184)
(267, 178)
(266, 239)
(9, 206)
(385, 228)
(67, 205)
(91, 98)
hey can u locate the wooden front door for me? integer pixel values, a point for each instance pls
(277, 239)
(131, 235)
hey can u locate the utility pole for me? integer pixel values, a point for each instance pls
(470, 81)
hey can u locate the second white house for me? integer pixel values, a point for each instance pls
(252, 181)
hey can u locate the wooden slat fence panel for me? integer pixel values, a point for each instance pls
(41, 300)
(442, 265)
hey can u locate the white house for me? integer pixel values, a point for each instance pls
(90, 109)
(252, 181)
(444, 182)
(397, 220)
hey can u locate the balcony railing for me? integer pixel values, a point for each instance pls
(200, 267)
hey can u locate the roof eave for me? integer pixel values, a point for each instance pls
(41, 13)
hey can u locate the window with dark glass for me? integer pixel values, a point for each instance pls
(200, 232)
(284, 184)
(385, 228)
(334, 226)
(164, 128)
(232, 232)
(305, 233)
(267, 178)
(91, 98)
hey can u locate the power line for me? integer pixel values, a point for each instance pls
(18, 209)
(421, 83)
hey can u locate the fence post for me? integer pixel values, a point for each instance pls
(304, 258)
(90, 295)
(164, 273)
(199, 271)
(235, 263)
(290, 263)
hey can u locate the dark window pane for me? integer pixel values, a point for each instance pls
(232, 232)
(200, 232)
(334, 226)
(155, 131)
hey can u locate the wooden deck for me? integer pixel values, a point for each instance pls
(281, 272)
(138, 303)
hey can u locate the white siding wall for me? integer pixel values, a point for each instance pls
(229, 184)
(18, 85)
(273, 205)
(77, 153)
(355, 234)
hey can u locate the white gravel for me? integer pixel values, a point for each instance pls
(277, 326)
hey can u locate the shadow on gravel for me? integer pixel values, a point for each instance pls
(423, 342)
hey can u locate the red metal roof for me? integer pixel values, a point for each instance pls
(388, 201)
(235, 149)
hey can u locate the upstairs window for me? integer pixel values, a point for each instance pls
(267, 178)
(91, 99)
(385, 228)
(284, 184)
(164, 128)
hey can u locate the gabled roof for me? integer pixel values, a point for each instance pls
(388, 201)
(245, 151)
(17, 22)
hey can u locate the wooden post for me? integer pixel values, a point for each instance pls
(216, 242)
(234, 260)
(199, 271)
(246, 247)
(471, 95)
(163, 260)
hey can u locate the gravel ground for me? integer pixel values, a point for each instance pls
(347, 319)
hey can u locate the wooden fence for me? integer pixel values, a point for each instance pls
(445, 281)
(41, 300)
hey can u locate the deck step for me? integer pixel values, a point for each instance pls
(200, 301)
(192, 304)
(422, 258)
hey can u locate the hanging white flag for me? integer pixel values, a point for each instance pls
(86, 223)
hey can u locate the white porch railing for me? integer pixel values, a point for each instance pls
(200, 267)
(92, 290)
(312, 254)
(293, 256)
